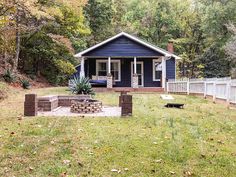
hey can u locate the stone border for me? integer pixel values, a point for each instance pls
(86, 107)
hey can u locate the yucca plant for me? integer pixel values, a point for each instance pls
(81, 86)
(25, 84)
(8, 76)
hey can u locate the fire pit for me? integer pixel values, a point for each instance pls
(86, 106)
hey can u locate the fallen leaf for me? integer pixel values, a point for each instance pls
(188, 173)
(67, 162)
(115, 170)
(20, 117)
(220, 142)
(64, 174)
(203, 155)
(80, 163)
(158, 161)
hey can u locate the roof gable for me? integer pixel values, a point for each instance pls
(122, 47)
(124, 44)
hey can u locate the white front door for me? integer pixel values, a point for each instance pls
(139, 66)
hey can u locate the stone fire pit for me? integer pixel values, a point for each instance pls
(86, 106)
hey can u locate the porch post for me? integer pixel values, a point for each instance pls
(109, 76)
(109, 65)
(135, 65)
(135, 76)
(82, 74)
(163, 72)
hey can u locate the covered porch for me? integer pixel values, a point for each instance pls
(129, 72)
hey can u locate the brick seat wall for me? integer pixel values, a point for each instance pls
(65, 101)
(48, 103)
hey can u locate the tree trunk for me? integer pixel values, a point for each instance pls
(5, 58)
(15, 63)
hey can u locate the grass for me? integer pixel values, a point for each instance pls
(199, 140)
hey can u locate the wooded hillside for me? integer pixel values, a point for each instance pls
(39, 37)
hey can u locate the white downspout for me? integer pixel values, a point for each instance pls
(163, 72)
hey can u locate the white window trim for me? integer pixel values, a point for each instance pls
(153, 69)
(112, 61)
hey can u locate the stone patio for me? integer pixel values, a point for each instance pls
(107, 111)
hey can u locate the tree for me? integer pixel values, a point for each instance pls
(50, 49)
(214, 62)
(230, 49)
(99, 18)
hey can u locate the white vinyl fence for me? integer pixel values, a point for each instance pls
(221, 88)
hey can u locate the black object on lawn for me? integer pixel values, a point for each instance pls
(174, 105)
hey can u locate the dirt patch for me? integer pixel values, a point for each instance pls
(3, 95)
(3, 91)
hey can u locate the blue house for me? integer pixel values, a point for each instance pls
(126, 61)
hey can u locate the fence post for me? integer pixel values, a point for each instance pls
(188, 86)
(205, 89)
(228, 87)
(214, 91)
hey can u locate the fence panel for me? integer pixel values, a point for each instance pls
(177, 87)
(210, 89)
(222, 88)
(196, 87)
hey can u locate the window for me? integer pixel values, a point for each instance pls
(157, 70)
(102, 68)
(115, 71)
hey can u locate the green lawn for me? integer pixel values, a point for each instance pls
(199, 140)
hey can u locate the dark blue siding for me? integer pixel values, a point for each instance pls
(122, 46)
(126, 72)
(148, 74)
(170, 69)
